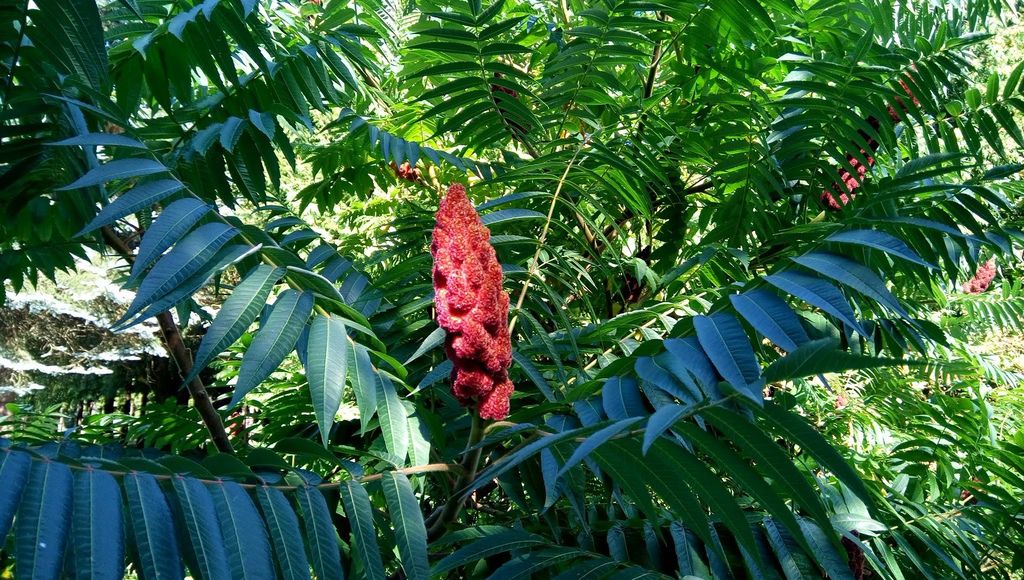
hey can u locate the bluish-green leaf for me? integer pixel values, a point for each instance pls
(792, 559)
(596, 440)
(824, 552)
(364, 536)
(169, 227)
(728, 347)
(189, 257)
(621, 398)
(880, 241)
(326, 366)
(410, 533)
(687, 351)
(320, 535)
(364, 383)
(669, 374)
(497, 543)
(661, 421)
(94, 139)
(852, 274)
(44, 520)
(236, 315)
(222, 259)
(14, 468)
(434, 339)
(816, 292)
(798, 432)
(394, 422)
(821, 356)
(199, 513)
(534, 375)
(97, 529)
(245, 536)
(156, 545)
(284, 533)
(133, 201)
(275, 339)
(117, 169)
(687, 555)
(771, 316)
(508, 215)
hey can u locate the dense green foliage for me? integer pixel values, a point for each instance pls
(720, 371)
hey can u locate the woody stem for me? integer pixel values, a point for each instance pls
(469, 465)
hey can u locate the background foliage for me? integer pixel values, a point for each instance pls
(735, 235)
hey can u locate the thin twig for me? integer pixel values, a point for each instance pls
(469, 466)
(532, 270)
(414, 470)
(181, 357)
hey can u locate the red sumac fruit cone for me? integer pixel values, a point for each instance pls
(471, 306)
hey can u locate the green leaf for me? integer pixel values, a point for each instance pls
(236, 315)
(728, 347)
(104, 139)
(394, 422)
(434, 339)
(132, 201)
(817, 292)
(852, 274)
(276, 338)
(824, 552)
(320, 535)
(285, 533)
(596, 440)
(771, 316)
(156, 545)
(169, 227)
(490, 545)
(43, 522)
(199, 513)
(798, 432)
(510, 215)
(364, 536)
(189, 257)
(117, 169)
(14, 469)
(245, 536)
(410, 532)
(770, 460)
(364, 383)
(97, 527)
(326, 367)
(524, 566)
(879, 241)
(707, 485)
(819, 357)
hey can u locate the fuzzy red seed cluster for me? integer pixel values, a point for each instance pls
(982, 278)
(838, 196)
(471, 306)
(407, 172)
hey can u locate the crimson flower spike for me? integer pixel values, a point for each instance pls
(471, 306)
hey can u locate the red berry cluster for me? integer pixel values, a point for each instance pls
(407, 172)
(500, 89)
(982, 278)
(498, 97)
(471, 306)
(855, 557)
(837, 196)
